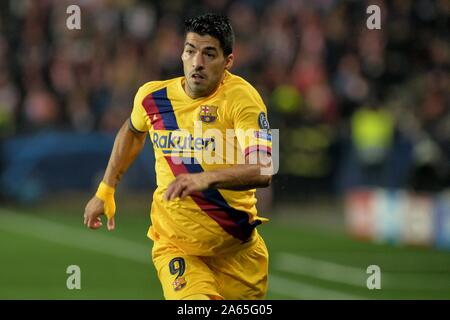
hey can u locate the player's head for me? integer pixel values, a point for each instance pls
(207, 53)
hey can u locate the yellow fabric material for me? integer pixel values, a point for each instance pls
(201, 229)
(241, 275)
(106, 193)
(198, 297)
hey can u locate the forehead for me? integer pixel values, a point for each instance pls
(201, 42)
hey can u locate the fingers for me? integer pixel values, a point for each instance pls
(176, 189)
(186, 184)
(95, 209)
(186, 191)
(97, 224)
(169, 191)
(168, 195)
(94, 223)
(92, 213)
(111, 224)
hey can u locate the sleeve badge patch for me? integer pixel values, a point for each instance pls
(179, 283)
(263, 122)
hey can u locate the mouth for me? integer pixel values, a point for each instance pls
(198, 76)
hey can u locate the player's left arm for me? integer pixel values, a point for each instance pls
(238, 177)
(250, 117)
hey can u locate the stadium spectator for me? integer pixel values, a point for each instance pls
(320, 49)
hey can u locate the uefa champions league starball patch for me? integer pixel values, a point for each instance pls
(263, 122)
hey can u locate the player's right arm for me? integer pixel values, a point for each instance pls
(127, 145)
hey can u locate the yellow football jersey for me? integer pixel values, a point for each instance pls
(195, 135)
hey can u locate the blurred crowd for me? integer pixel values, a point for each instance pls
(354, 106)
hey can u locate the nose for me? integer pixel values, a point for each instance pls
(198, 61)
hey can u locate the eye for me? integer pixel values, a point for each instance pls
(189, 51)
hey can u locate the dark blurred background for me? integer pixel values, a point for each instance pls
(354, 106)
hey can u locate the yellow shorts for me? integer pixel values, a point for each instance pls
(240, 275)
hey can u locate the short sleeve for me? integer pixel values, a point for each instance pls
(138, 118)
(251, 124)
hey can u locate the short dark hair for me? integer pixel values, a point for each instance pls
(215, 25)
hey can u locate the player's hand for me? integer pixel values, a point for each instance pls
(92, 213)
(185, 184)
(102, 203)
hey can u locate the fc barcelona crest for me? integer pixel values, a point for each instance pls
(208, 114)
(179, 283)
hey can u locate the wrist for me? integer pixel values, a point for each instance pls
(209, 179)
(104, 191)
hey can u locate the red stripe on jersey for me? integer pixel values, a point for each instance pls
(153, 113)
(215, 212)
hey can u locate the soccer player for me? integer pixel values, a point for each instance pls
(203, 212)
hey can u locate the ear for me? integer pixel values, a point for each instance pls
(229, 61)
